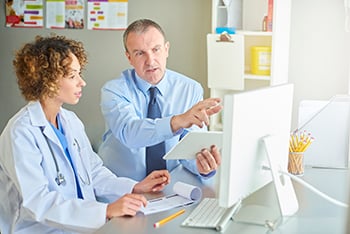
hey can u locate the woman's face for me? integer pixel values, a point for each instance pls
(70, 86)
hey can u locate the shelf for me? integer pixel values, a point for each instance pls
(249, 76)
(253, 33)
(230, 64)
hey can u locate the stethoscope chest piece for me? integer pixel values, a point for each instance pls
(60, 180)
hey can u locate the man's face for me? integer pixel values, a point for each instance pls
(147, 53)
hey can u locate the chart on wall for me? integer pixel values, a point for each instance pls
(67, 14)
(24, 13)
(107, 14)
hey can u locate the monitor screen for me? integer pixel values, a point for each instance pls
(249, 117)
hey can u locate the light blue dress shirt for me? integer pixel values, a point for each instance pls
(124, 104)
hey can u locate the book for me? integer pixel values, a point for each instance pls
(269, 19)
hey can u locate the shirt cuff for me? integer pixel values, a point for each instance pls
(210, 174)
(164, 128)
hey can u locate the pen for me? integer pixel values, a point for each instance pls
(169, 218)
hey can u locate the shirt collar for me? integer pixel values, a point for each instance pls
(144, 85)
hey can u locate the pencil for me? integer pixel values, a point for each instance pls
(169, 218)
(299, 142)
(307, 144)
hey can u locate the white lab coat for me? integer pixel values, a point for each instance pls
(30, 199)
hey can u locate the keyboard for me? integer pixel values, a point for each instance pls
(208, 214)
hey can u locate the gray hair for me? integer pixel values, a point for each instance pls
(141, 26)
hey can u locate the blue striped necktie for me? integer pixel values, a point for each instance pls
(154, 154)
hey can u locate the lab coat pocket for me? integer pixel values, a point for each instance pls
(84, 166)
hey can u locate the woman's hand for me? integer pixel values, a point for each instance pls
(156, 181)
(128, 204)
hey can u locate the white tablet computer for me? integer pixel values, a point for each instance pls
(193, 142)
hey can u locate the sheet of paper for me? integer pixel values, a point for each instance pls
(184, 194)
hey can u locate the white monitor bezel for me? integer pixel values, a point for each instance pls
(265, 111)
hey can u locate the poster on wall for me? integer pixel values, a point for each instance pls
(74, 17)
(107, 14)
(65, 14)
(24, 13)
(55, 13)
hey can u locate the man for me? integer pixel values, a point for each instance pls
(124, 103)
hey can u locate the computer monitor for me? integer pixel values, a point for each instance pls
(256, 131)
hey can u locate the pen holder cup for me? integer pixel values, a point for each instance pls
(296, 163)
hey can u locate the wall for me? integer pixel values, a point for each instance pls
(186, 24)
(319, 50)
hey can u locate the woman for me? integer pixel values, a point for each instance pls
(51, 180)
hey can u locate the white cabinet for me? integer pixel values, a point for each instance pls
(229, 62)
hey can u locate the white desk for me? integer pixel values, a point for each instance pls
(315, 214)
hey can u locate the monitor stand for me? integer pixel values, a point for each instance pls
(286, 196)
(260, 208)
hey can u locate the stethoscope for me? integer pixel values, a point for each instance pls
(60, 179)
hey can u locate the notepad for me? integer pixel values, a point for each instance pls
(193, 142)
(184, 194)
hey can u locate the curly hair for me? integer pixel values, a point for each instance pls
(40, 64)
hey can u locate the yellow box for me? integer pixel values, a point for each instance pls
(261, 60)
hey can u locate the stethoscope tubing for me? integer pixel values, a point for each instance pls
(60, 179)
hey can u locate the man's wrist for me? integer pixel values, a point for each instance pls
(175, 124)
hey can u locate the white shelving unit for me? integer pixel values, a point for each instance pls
(229, 62)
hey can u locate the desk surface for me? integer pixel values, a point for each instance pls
(315, 214)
